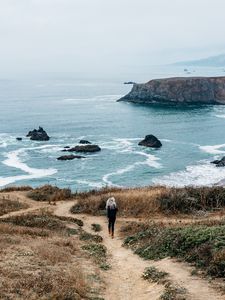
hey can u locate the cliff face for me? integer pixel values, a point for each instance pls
(205, 90)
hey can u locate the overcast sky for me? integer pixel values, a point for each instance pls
(107, 35)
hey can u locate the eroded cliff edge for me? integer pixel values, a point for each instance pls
(190, 90)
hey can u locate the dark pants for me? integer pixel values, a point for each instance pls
(111, 225)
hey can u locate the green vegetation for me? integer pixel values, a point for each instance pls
(85, 236)
(154, 275)
(99, 254)
(71, 220)
(199, 244)
(96, 227)
(172, 292)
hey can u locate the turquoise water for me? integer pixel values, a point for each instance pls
(70, 109)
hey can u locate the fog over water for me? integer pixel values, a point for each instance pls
(98, 37)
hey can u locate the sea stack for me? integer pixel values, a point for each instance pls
(179, 90)
(150, 141)
(38, 135)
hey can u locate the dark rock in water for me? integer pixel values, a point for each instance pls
(183, 90)
(84, 142)
(85, 148)
(150, 141)
(219, 163)
(129, 82)
(19, 139)
(38, 135)
(70, 157)
(66, 147)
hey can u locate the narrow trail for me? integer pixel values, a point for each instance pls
(124, 282)
(33, 205)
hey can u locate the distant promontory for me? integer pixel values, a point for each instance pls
(184, 90)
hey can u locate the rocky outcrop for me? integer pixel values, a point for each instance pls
(38, 135)
(219, 162)
(70, 157)
(84, 142)
(85, 148)
(184, 90)
(150, 141)
(19, 139)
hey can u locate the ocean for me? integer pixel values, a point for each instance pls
(71, 108)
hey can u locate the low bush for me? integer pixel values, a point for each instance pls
(143, 202)
(22, 188)
(96, 227)
(49, 193)
(43, 221)
(8, 205)
(154, 275)
(202, 245)
(85, 236)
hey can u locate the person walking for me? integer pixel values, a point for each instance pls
(111, 208)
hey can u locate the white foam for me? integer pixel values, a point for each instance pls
(151, 161)
(13, 160)
(96, 98)
(213, 149)
(220, 116)
(6, 140)
(203, 174)
(92, 184)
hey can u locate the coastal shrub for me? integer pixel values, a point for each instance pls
(8, 205)
(22, 188)
(79, 222)
(189, 199)
(144, 202)
(85, 236)
(44, 221)
(154, 275)
(49, 193)
(96, 227)
(202, 245)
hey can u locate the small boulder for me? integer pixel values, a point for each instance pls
(219, 163)
(66, 147)
(150, 141)
(19, 139)
(38, 135)
(70, 157)
(85, 148)
(84, 142)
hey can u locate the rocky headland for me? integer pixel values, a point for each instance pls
(184, 90)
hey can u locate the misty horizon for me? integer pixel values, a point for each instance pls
(96, 37)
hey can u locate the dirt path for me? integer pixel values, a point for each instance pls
(124, 282)
(21, 197)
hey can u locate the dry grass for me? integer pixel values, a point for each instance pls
(132, 202)
(8, 205)
(144, 202)
(38, 260)
(49, 193)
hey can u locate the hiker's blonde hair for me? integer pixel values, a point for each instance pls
(111, 203)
